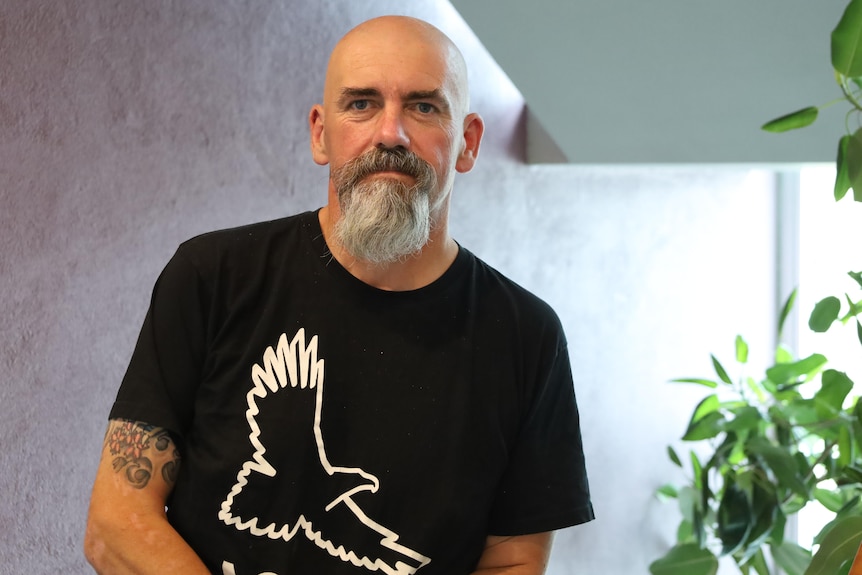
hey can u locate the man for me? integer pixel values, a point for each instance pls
(347, 391)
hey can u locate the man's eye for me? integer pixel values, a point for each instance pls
(359, 105)
(425, 107)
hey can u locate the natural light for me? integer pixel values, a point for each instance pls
(830, 245)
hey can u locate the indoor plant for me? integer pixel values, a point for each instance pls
(763, 448)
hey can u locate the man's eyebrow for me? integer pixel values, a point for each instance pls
(349, 93)
(435, 96)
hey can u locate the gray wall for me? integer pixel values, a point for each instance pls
(127, 127)
(665, 81)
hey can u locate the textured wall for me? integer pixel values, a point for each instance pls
(127, 127)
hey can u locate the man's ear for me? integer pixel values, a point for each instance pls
(474, 128)
(315, 125)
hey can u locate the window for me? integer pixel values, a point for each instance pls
(830, 245)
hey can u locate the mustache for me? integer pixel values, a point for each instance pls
(384, 160)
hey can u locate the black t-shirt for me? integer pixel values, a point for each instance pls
(330, 427)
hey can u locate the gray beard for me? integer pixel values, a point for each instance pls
(383, 221)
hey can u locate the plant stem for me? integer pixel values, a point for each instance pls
(827, 449)
(842, 82)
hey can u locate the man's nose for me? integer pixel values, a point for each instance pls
(391, 132)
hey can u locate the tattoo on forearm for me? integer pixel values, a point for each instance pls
(170, 470)
(133, 447)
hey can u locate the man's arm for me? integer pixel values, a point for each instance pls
(127, 529)
(516, 555)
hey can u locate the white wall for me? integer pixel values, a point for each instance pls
(128, 127)
(651, 270)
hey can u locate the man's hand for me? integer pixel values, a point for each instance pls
(127, 530)
(516, 555)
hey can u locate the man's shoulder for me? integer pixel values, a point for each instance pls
(246, 235)
(245, 240)
(501, 289)
(247, 248)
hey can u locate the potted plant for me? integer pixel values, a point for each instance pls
(763, 448)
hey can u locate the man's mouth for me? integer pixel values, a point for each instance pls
(391, 174)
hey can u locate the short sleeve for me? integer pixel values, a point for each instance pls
(545, 485)
(160, 384)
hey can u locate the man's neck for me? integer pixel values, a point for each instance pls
(413, 272)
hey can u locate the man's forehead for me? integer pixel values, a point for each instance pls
(386, 55)
(386, 76)
(402, 53)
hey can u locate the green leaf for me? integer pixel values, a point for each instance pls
(737, 454)
(757, 388)
(859, 331)
(852, 473)
(719, 369)
(697, 469)
(706, 427)
(831, 500)
(837, 547)
(856, 276)
(792, 121)
(745, 418)
(721, 453)
(685, 532)
(671, 453)
(697, 380)
(688, 503)
(845, 446)
(743, 479)
(785, 311)
(850, 509)
(783, 354)
(855, 308)
(802, 465)
(856, 423)
(842, 175)
(758, 563)
(829, 399)
(792, 558)
(741, 350)
(765, 508)
(707, 405)
(734, 404)
(799, 412)
(854, 161)
(698, 530)
(667, 491)
(735, 518)
(783, 373)
(705, 515)
(847, 41)
(778, 527)
(687, 559)
(781, 462)
(825, 312)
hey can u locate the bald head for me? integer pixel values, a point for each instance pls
(399, 84)
(408, 45)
